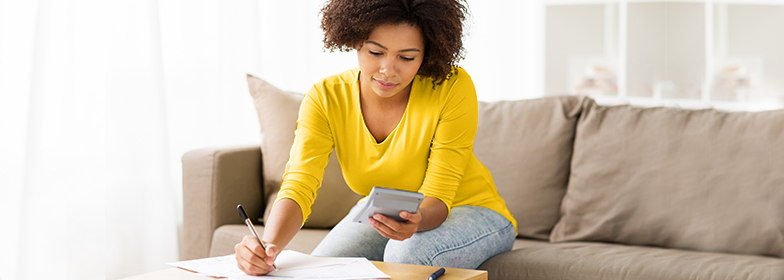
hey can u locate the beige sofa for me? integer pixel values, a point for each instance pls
(598, 192)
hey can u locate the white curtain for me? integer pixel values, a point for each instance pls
(52, 152)
(100, 99)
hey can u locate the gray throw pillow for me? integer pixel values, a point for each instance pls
(278, 112)
(527, 146)
(694, 179)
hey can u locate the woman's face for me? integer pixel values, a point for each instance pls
(390, 58)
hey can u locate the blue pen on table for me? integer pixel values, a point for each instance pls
(245, 218)
(436, 274)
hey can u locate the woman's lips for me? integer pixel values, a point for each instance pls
(384, 85)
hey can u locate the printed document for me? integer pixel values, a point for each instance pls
(291, 265)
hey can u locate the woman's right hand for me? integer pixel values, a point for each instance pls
(252, 259)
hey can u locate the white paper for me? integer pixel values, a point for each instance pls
(291, 265)
(224, 266)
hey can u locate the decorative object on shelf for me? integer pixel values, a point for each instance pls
(592, 76)
(737, 79)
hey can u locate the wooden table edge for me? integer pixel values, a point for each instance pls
(397, 271)
(412, 271)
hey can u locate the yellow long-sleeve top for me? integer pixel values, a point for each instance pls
(430, 151)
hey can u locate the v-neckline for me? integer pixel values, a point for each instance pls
(362, 115)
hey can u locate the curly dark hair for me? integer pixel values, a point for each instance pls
(348, 23)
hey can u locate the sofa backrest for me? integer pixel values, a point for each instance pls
(527, 146)
(694, 179)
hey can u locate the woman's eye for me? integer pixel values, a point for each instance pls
(407, 58)
(374, 53)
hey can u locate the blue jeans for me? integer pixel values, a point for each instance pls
(466, 239)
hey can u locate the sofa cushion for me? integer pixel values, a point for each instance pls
(611, 262)
(227, 236)
(694, 179)
(527, 146)
(278, 110)
(524, 242)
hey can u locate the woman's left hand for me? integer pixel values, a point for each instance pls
(395, 230)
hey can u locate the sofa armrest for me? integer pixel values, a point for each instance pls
(214, 181)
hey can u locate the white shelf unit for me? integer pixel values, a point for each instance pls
(706, 31)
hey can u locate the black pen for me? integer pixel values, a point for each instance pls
(244, 216)
(436, 274)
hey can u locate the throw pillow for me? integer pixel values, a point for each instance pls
(693, 179)
(278, 111)
(527, 146)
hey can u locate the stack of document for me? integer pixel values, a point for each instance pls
(291, 265)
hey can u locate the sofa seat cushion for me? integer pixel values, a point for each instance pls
(609, 261)
(225, 237)
(525, 242)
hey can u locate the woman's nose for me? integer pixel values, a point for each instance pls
(387, 68)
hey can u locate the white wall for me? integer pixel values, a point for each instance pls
(503, 46)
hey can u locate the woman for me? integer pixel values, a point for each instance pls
(405, 119)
